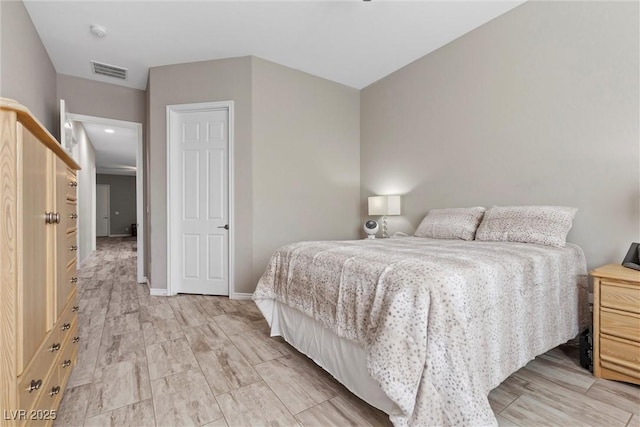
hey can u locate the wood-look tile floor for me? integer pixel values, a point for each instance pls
(199, 360)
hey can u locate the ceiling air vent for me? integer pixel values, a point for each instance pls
(109, 70)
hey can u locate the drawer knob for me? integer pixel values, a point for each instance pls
(66, 363)
(54, 390)
(73, 184)
(74, 280)
(54, 347)
(75, 340)
(66, 326)
(73, 216)
(35, 385)
(74, 308)
(73, 248)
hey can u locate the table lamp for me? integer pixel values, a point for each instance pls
(384, 205)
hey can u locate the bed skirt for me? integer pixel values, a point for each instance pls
(343, 359)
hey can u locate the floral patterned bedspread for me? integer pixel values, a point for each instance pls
(443, 322)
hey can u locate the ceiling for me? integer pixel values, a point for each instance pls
(351, 42)
(115, 152)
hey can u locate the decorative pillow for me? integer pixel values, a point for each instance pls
(453, 223)
(544, 225)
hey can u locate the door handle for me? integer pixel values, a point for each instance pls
(226, 226)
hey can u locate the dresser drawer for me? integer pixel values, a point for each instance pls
(35, 377)
(620, 352)
(619, 296)
(68, 320)
(70, 216)
(72, 183)
(69, 355)
(71, 246)
(71, 277)
(620, 324)
(68, 283)
(44, 411)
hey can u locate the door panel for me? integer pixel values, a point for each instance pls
(36, 318)
(216, 169)
(199, 197)
(102, 210)
(191, 185)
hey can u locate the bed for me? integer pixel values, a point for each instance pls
(424, 328)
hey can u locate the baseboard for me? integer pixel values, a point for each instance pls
(120, 235)
(240, 295)
(158, 292)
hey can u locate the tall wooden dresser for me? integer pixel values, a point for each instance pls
(38, 272)
(616, 323)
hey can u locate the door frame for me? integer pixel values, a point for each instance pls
(140, 214)
(108, 208)
(203, 106)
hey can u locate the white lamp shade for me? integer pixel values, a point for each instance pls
(384, 205)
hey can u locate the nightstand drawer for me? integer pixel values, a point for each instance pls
(622, 353)
(620, 324)
(619, 296)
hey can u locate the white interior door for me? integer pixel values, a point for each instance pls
(102, 210)
(199, 201)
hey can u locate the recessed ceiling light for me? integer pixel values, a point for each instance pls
(109, 130)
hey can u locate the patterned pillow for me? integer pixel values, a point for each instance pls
(453, 223)
(545, 225)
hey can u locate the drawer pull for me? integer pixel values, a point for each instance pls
(74, 308)
(75, 340)
(54, 390)
(66, 326)
(54, 347)
(66, 363)
(73, 183)
(73, 216)
(74, 280)
(35, 385)
(73, 248)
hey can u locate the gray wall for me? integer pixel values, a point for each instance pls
(26, 72)
(99, 99)
(296, 155)
(539, 106)
(122, 199)
(306, 160)
(222, 80)
(85, 155)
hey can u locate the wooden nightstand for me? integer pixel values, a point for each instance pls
(616, 323)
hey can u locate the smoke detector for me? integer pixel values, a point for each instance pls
(98, 30)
